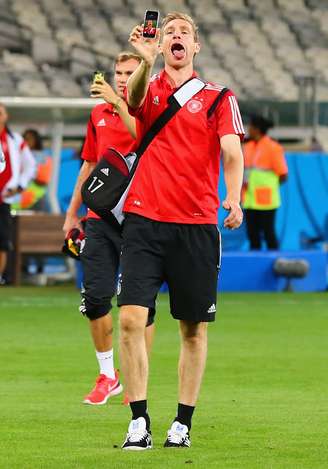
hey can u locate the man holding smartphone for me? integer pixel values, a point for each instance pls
(110, 125)
(171, 219)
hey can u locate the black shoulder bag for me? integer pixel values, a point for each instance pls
(106, 189)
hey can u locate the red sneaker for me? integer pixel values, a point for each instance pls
(104, 388)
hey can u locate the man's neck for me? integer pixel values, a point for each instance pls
(178, 76)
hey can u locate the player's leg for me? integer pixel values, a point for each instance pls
(192, 270)
(134, 359)
(102, 333)
(100, 257)
(269, 230)
(149, 338)
(138, 289)
(192, 360)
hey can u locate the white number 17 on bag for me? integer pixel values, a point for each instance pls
(95, 185)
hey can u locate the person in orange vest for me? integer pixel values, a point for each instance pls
(265, 170)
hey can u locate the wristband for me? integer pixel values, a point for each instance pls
(117, 102)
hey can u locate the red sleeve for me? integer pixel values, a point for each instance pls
(89, 150)
(229, 120)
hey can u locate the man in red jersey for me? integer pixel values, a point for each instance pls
(110, 125)
(171, 219)
(17, 169)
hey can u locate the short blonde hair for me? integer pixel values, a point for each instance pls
(177, 15)
(127, 55)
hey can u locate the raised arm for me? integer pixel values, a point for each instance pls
(138, 82)
(105, 91)
(233, 164)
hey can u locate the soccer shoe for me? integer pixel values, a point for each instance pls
(177, 436)
(104, 388)
(138, 437)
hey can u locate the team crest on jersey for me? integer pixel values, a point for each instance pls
(194, 106)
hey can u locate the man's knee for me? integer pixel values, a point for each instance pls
(93, 310)
(193, 334)
(133, 320)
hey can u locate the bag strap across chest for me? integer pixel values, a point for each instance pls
(176, 101)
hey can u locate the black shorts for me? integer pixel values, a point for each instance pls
(100, 259)
(5, 227)
(186, 256)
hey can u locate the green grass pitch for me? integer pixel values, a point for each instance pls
(263, 403)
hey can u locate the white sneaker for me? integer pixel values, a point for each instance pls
(138, 437)
(178, 436)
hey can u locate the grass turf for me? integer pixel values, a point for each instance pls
(263, 402)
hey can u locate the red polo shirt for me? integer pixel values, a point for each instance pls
(177, 178)
(105, 129)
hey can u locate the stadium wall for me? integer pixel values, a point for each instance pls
(302, 227)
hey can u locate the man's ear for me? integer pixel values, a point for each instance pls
(197, 47)
(160, 48)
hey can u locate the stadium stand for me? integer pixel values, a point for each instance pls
(259, 49)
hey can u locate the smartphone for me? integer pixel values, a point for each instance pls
(150, 25)
(98, 77)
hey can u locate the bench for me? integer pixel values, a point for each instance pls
(36, 234)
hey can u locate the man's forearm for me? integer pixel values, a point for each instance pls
(76, 200)
(233, 175)
(233, 164)
(129, 121)
(138, 84)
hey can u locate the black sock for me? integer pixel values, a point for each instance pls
(139, 409)
(184, 414)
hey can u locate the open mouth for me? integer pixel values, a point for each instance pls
(178, 51)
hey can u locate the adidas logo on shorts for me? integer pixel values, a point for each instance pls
(212, 309)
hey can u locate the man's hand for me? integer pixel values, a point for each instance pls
(147, 48)
(235, 217)
(105, 91)
(71, 221)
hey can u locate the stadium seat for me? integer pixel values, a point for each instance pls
(7, 86)
(45, 49)
(261, 48)
(32, 87)
(19, 62)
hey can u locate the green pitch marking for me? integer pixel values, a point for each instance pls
(263, 402)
